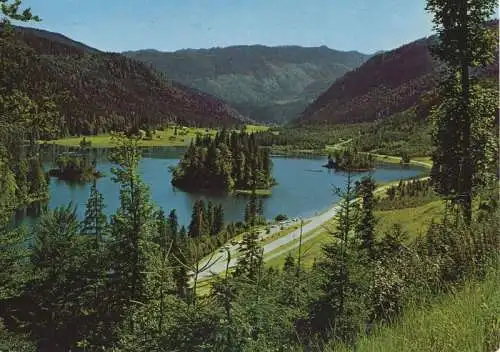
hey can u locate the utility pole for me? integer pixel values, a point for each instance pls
(300, 247)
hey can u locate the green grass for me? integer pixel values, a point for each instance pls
(414, 221)
(165, 138)
(463, 321)
(282, 233)
(310, 251)
(256, 128)
(424, 161)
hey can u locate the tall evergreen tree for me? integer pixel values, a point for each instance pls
(251, 209)
(132, 227)
(365, 228)
(95, 223)
(63, 299)
(173, 222)
(197, 226)
(332, 310)
(464, 43)
(218, 223)
(209, 218)
(250, 261)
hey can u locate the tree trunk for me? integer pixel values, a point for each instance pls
(465, 191)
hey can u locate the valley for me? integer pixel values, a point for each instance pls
(253, 177)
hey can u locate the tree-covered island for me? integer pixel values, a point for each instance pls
(350, 160)
(74, 167)
(228, 162)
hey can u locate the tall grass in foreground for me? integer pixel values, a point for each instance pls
(466, 320)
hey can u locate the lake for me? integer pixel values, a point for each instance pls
(304, 186)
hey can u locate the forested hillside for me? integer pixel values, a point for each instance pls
(96, 92)
(264, 83)
(388, 83)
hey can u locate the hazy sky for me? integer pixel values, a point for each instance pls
(168, 25)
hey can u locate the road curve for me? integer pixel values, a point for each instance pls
(219, 260)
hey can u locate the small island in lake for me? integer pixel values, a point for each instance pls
(74, 167)
(228, 162)
(350, 160)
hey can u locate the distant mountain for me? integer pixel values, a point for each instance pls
(271, 84)
(388, 83)
(97, 92)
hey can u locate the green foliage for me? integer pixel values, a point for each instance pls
(8, 186)
(95, 223)
(365, 228)
(12, 10)
(225, 163)
(404, 133)
(84, 143)
(250, 262)
(13, 254)
(335, 314)
(462, 320)
(254, 212)
(448, 170)
(464, 43)
(14, 342)
(131, 227)
(74, 167)
(463, 38)
(407, 194)
(281, 217)
(350, 160)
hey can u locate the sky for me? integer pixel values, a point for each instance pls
(168, 25)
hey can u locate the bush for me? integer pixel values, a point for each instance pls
(281, 217)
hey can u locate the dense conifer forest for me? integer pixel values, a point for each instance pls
(226, 162)
(134, 281)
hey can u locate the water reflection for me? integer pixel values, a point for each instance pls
(304, 187)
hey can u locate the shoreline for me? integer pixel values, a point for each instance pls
(290, 241)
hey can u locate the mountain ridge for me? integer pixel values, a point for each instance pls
(97, 92)
(387, 83)
(256, 79)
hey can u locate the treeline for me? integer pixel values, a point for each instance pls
(407, 194)
(128, 283)
(75, 167)
(92, 92)
(225, 162)
(350, 159)
(403, 133)
(307, 137)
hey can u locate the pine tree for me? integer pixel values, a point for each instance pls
(132, 227)
(250, 261)
(251, 209)
(95, 223)
(36, 177)
(464, 42)
(289, 265)
(197, 226)
(173, 222)
(332, 309)
(209, 218)
(365, 228)
(60, 288)
(218, 223)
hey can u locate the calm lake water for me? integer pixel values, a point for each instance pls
(304, 187)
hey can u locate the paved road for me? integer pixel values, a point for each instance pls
(219, 260)
(221, 257)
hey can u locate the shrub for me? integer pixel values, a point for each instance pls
(281, 217)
